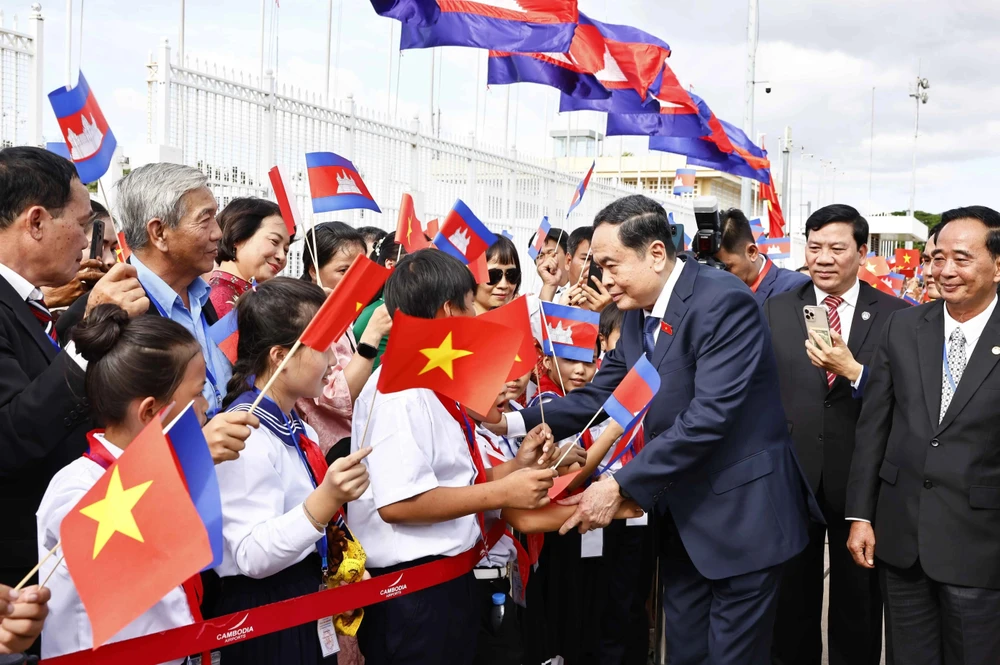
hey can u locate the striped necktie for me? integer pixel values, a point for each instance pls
(44, 317)
(832, 303)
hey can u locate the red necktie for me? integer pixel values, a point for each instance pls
(44, 317)
(832, 303)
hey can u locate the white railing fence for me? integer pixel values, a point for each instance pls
(21, 80)
(234, 127)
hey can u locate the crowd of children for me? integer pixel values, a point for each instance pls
(331, 469)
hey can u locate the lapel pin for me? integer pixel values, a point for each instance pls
(996, 350)
(865, 316)
(669, 329)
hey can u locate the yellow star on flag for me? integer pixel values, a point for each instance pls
(906, 258)
(113, 513)
(409, 228)
(443, 358)
(357, 306)
(870, 266)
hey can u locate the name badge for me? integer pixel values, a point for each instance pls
(327, 637)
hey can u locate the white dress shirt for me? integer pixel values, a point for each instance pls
(971, 329)
(263, 523)
(846, 311)
(67, 628)
(416, 446)
(27, 291)
(496, 451)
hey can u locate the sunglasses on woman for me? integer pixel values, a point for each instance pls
(513, 276)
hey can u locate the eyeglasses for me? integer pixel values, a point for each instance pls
(513, 276)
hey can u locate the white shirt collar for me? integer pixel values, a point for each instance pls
(115, 451)
(972, 329)
(660, 306)
(850, 296)
(23, 287)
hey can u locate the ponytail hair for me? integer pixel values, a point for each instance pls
(276, 314)
(130, 359)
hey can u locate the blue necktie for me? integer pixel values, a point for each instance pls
(648, 328)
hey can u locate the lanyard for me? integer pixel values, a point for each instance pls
(96, 452)
(947, 368)
(762, 274)
(208, 337)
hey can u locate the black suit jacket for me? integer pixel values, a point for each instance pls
(822, 419)
(44, 418)
(932, 490)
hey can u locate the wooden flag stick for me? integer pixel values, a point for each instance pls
(51, 572)
(277, 372)
(38, 565)
(314, 252)
(364, 435)
(583, 275)
(577, 440)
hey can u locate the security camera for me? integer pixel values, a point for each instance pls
(768, 90)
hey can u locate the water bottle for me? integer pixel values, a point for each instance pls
(496, 614)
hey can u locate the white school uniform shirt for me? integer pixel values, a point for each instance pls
(495, 451)
(416, 446)
(67, 628)
(263, 524)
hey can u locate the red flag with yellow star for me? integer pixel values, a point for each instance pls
(134, 537)
(352, 294)
(907, 261)
(463, 357)
(515, 315)
(409, 231)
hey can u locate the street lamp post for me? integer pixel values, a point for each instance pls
(919, 95)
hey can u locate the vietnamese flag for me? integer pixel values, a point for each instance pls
(866, 275)
(409, 231)
(352, 294)
(907, 260)
(462, 357)
(134, 537)
(433, 227)
(877, 265)
(515, 315)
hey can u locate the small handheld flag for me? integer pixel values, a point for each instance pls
(569, 332)
(134, 536)
(280, 183)
(776, 248)
(907, 260)
(90, 140)
(515, 315)
(60, 148)
(631, 399)
(462, 235)
(353, 292)
(684, 181)
(465, 358)
(540, 235)
(335, 184)
(581, 189)
(877, 265)
(194, 460)
(226, 335)
(409, 231)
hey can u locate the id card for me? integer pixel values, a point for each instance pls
(327, 637)
(516, 586)
(592, 544)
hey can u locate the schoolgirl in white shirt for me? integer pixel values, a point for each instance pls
(279, 497)
(136, 367)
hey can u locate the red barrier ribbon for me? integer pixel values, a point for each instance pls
(213, 634)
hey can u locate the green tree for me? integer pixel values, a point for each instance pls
(930, 219)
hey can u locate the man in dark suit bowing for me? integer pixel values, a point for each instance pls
(821, 390)
(44, 417)
(924, 487)
(744, 259)
(718, 467)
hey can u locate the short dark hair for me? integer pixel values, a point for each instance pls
(640, 221)
(389, 250)
(239, 221)
(578, 236)
(988, 216)
(33, 176)
(504, 251)
(98, 210)
(839, 213)
(131, 358)
(331, 238)
(276, 313)
(736, 233)
(424, 281)
(611, 320)
(371, 234)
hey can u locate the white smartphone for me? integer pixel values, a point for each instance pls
(817, 319)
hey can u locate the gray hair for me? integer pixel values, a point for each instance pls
(154, 191)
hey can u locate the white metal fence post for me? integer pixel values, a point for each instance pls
(470, 184)
(163, 96)
(36, 30)
(269, 123)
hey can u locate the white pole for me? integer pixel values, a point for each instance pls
(180, 40)
(746, 187)
(36, 23)
(475, 118)
(263, 10)
(69, 44)
(506, 119)
(430, 131)
(79, 50)
(916, 133)
(336, 57)
(388, 84)
(871, 150)
(329, 41)
(786, 178)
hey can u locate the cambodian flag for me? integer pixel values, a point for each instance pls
(281, 184)
(195, 463)
(894, 281)
(776, 248)
(556, 70)
(540, 234)
(569, 332)
(226, 335)
(631, 399)
(462, 235)
(502, 25)
(335, 184)
(90, 140)
(745, 160)
(581, 189)
(60, 148)
(684, 181)
(756, 226)
(680, 114)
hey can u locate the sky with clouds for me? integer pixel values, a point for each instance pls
(822, 58)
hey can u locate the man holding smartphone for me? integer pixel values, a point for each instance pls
(822, 388)
(96, 261)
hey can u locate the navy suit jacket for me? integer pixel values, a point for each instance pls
(718, 455)
(778, 280)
